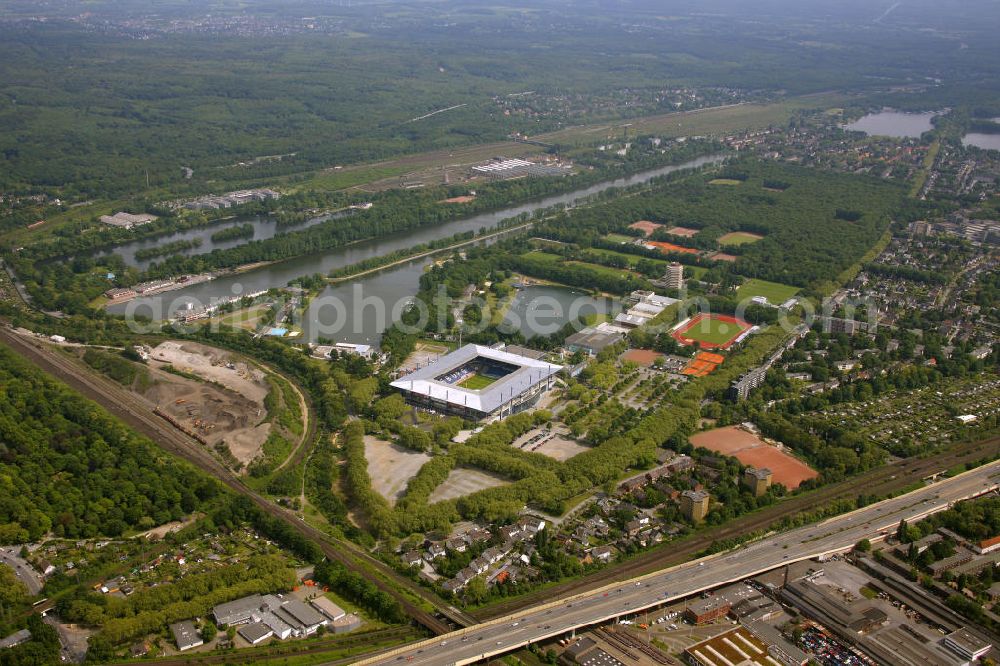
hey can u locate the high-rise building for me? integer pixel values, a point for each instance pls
(757, 480)
(674, 279)
(694, 505)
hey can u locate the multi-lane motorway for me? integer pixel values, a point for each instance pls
(565, 615)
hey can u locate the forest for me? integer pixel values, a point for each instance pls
(69, 468)
(805, 243)
(150, 96)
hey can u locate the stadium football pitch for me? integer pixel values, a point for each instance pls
(476, 382)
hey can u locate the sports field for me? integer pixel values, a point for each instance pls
(711, 331)
(752, 451)
(739, 238)
(775, 292)
(725, 181)
(476, 382)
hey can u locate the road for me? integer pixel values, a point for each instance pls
(565, 615)
(138, 413)
(24, 571)
(883, 481)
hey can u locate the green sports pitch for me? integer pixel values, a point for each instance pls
(715, 332)
(775, 292)
(476, 382)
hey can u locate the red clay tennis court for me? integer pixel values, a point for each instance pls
(643, 357)
(703, 364)
(670, 247)
(752, 451)
(711, 331)
(683, 232)
(645, 226)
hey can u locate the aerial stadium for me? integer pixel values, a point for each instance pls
(478, 383)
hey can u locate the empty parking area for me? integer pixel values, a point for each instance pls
(462, 482)
(391, 467)
(556, 443)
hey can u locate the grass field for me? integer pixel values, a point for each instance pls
(739, 238)
(775, 292)
(538, 255)
(712, 331)
(603, 270)
(476, 382)
(619, 238)
(725, 181)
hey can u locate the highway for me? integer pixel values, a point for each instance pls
(561, 617)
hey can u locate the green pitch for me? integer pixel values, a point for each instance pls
(738, 238)
(713, 331)
(775, 292)
(476, 382)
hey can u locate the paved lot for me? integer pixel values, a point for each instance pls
(462, 482)
(556, 443)
(391, 467)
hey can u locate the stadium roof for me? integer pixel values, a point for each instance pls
(529, 372)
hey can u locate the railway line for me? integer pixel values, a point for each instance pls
(138, 413)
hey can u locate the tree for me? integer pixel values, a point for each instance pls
(863, 546)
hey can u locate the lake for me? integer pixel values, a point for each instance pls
(544, 309)
(894, 124)
(982, 139)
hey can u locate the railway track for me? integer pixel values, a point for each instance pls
(883, 481)
(138, 413)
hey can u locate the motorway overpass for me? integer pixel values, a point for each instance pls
(561, 617)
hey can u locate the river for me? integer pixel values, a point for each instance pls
(263, 228)
(392, 287)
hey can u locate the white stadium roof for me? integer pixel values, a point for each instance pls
(529, 373)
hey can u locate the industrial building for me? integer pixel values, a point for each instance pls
(261, 617)
(125, 220)
(186, 635)
(746, 648)
(501, 168)
(238, 198)
(478, 383)
(591, 340)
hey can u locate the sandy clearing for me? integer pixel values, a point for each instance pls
(391, 467)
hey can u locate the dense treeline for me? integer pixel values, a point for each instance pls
(115, 366)
(245, 230)
(804, 244)
(70, 468)
(167, 249)
(380, 519)
(361, 591)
